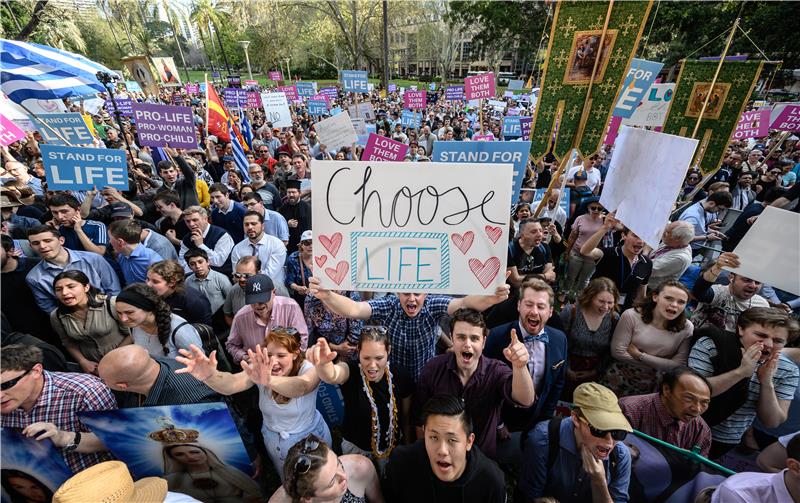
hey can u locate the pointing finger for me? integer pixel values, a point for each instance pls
(514, 338)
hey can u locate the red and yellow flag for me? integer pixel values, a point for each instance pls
(217, 118)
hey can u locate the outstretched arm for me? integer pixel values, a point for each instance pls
(204, 369)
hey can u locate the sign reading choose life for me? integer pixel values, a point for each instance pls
(379, 226)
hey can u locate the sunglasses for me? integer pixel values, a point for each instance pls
(618, 435)
(380, 329)
(595, 209)
(303, 463)
(13, 382)
(306, 243)
(240, 275)
(776, 173)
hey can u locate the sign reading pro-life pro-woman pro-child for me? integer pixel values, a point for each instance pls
(403, 227)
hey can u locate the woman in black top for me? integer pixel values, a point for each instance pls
(167, 279)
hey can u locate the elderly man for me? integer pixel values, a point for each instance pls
(554, 211)
(674, 256)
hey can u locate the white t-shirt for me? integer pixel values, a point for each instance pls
(593, 178)
(298, 415)
(178, 339)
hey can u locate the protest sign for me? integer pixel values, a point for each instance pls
(289, 91)
(123, 105)
(234, 81)
(9, 132)
(317, 107)
(641, 75)
(380, 226)
(354, 81)
(276, 109)
(513, 111)
(411, 119)
(508, 94)
(78, 168)
(479, 87)
(215, 75)
(482, 137)
(16, 114)
(516, 85)
(414, 99)
(192, 88)
(70, 126)
(275, 76)
(788, 120)
(432, 86)
(331, 92)
(133, 86)
(511, 127)
(769, 253)
(165, 125)
(753, 124)
(498, 105)
(251, 83)
(363, 110)
(359, 126)
(775, 110)
(167, 71)
(253, 99)
(157, 442)
(652, 111)
(380, 148)
(32, 469)
(306, 89)
(641, 156)
(612, 131)
(234, 97)
(454, 93)
(484, 152)
(336, 110)
(525, 127)
(336, 132)
(392, 88)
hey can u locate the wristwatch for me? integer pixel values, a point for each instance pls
(75, 441)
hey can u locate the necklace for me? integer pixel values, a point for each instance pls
(376, 425)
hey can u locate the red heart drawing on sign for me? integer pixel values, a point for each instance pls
(338, 274)
(321, 260)
(485, 271)
(332, 243)
(463, 241)
(494, 233)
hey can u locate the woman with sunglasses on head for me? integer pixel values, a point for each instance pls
(314, 473)
(377, 399)
(581, 267)
(287, 388)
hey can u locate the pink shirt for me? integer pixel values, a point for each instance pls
(247, 330)
(585, 226)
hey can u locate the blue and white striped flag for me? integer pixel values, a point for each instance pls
(238, 155)
(38, 72)
(247, 132)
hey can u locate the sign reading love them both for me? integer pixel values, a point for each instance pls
(379, 226)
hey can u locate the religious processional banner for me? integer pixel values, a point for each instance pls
(573, 49)
(728, 101)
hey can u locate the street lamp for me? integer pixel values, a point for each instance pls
(245, 44)
(288, 70)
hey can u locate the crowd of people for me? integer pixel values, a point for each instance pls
(197, 285)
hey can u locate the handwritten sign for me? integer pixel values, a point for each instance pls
(414, 99)
(70, 126)
(511, 127)
(379, 226)
(354, 81)
(276, 109)
(454, 93)
(411, 119)
(479, 87)
(290, 92)
(275, 76)
(752, 125)
(788, 120)
(336, 132)
(317, 107)
(306, 89)
(76, 168)
(9, 132)
(162, 125)
(380, 148)
(652, 111)
(525, 127)
(641, 75)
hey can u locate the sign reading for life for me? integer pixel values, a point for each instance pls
(165, 125)
(479, 87)
(380, 148)
(379, 226)
(76, 168)
(70, 126)
(354, 81)
(276, 109)
(753, 124)
(306, 89)
(641, 75)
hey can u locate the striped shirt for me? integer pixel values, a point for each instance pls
(63, 396)
(177, 389)
(784, 380)
(94, 230)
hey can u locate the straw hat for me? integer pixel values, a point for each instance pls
(110, 482)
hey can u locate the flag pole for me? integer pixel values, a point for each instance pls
(205, 78)
(46, 125)
(716, 75)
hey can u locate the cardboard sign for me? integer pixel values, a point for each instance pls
(788, 120)
(454, 93)
(516, 85)
(306, 89)
(290, 92)
(336, 132)
(164, 125)
(77, 168)
(641, 75)
(191, 88)
(525, 127)
(511, 127)
(380, 226)
(124, 105)
(484, 152)
(753, 124)
(411, 119)
(9, 132)
(380, 148)
(414, 99)
(70, 126)
(652, 111)
(132, 86)
(331, 92)
(769, 251)
(362, 110)
(479, 87)
(276, 109)
(253, 99)
(354, 81)
(317, 107)
(275, 76)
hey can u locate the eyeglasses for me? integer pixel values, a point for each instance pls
(13, 382)
(618, 435)
(595, 208)
(241, 275)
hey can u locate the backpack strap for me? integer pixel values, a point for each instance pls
(553, 441)
(174, 330)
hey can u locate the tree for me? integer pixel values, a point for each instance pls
(208, 17)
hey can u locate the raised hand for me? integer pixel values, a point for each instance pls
(315, 290)
(516, 353)
(767, 369)
(322, 353)
(198, 365)
(258, 366)
(750, 357)
(610, 221)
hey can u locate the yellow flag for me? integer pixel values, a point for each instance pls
(88, 120)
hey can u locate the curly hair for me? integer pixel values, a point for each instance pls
(160, 310)
(171, 271)
(647, 307)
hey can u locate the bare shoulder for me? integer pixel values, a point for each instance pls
(358, 467)
(280, 496)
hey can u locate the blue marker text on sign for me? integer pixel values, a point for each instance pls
(354, 81)
(415, 260)
(76, 168)
(70, 126)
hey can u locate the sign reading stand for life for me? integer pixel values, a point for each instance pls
(75, 168)
(379, 226)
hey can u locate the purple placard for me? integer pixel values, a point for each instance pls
(525, 127)
(290, 92)
(483, 137)
(275, 76)
(454, 93)
(123, 105)
(414, 99)
(753, 124)
(234, 97)
(253, 100)
(479, 87)
(192, 88)
(9, 132)
(392, 88)
(330, 92)
(380, 148)
(165, 125)
(788, 120)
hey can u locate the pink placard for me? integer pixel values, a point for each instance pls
(9, 132)
(753, 124)
(253, 100)
(192, 88)
(251, 83)
(788, 120)
(275, 76)
(613, 129)
(479, 87)
(322, 97)
(380, 148)
(414, 99)
(290, 92)
(482, 137)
